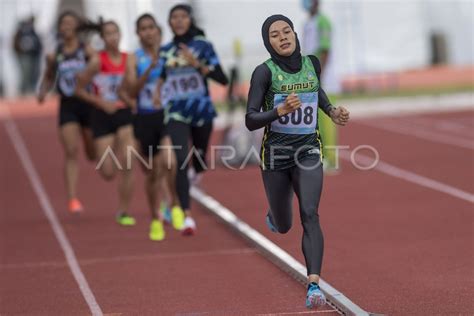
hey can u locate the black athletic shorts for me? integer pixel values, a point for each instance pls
(73, 109)
(149, 130)
(103, 123)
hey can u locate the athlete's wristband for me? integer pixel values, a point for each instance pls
(331, 108)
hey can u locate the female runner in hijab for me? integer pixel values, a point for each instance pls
(189, 60)
(284, 97)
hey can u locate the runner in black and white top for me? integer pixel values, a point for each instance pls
(70, 58)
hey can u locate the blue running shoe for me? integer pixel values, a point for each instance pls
(165, 213)
(270, 224)
(315, 297)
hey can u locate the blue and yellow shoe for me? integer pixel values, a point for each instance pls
(157, 230)
(125, 220)
(177, 218)
(315, 297)
(165, 213)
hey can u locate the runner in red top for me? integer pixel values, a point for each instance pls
(111, 119)
(109, 77)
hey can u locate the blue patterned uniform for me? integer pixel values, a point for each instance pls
(149, 123)
(145, 97)
(186, 93)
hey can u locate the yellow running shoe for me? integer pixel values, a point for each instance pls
(157, 231)
(125, 220)
(177, 217)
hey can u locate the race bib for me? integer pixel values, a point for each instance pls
(145, 98)
(107, 86)
(302, 121)
(184, 84)
(67, 83)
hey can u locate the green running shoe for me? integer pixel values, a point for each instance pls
(125, 220)
(157, 230)
(177, 217)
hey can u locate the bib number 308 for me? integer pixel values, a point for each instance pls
(299, 116)
(301, 121)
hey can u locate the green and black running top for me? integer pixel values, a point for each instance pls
(292, 137)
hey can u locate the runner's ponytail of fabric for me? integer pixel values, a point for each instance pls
(290, 63)
(193, 30)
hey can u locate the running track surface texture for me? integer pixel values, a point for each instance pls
(398, 237)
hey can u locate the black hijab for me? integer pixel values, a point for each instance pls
(290, 63)
(193, 29)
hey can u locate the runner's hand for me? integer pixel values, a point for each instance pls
(109, 107)
(157, 99)
(154, 63)
(292, 103)
(133, 105)
(340, 116)
(186, 53)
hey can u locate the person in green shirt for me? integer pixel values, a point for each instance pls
(317, 41)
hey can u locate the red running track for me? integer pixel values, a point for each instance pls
(392, 246)
(212, 273)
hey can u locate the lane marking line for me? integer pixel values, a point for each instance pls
(298, 313)
(409, 176)
(405, 129)
(448, 126)
(25, 158)
(277, 255)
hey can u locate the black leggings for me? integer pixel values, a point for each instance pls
(180, 134)
(307, 184)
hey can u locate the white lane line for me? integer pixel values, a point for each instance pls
(404, 129)
(25, 158)
(399, 106)
(445, 125)
(298, 313)
(278, 255)
(409, 176)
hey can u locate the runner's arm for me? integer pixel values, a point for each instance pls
(207, 64)
(157, 94)
(90, 52)
(215, 73)
(126, 92)
(84, 79)
(141, 81)
(47, 81)
(259, 85)
(213, 69)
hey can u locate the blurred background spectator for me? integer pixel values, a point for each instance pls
(27, 46)
(379, 46)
